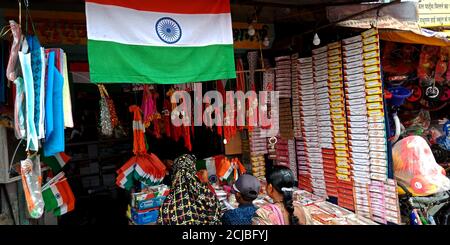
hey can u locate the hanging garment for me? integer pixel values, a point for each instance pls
(49, 94)
(32, 138)
(54, 141)
(12, 70)
(31, 181)
(67, 104)
(19, 109)
(38, 70)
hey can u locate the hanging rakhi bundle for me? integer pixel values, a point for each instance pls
(143, 167)
(149, 109)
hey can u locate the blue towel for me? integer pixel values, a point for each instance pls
(32, 139)
(36, 65)
(49, 96)
(54, 143)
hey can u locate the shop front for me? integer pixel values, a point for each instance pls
(116, 112)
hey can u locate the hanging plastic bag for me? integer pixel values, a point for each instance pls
(31, 181)
(416, 168)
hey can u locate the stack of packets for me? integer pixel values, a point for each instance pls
(283, 76)
(309, 143)
(282, 152)
(304, 175)
(324, 134)
(258, 166)
(326, 213)
(321, 70)
(145, 204)
(336, 161)
(285, 119)
(292, 156)
(336, 156)
(258, 142)
(296, 95)
(356, 110)
(367, 136)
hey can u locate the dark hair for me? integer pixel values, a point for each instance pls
(247, 199)
(282, 177)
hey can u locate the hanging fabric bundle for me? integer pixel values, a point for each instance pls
(147, 106)
(150, 110)
(54, 112)
(32, 137)
(143, 167)
(12, 73)
(38, 71)
(67, 104)
(13, 68)
(31, 181)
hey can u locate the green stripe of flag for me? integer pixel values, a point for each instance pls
(164, 65)
(49, 199)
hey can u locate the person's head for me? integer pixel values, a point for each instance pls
(280, 182)
(246, 189)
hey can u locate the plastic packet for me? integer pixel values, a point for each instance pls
(415, 167)
(31, 181)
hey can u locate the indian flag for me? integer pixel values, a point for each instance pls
(57, 195)
(159, 41)
(57, 162)
(64, 209)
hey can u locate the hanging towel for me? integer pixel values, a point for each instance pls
(38, 70)
(54, 141)
(49, 95)
(68, 119)
(32, 139)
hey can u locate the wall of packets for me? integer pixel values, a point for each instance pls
(338, 139)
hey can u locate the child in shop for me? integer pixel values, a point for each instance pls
(283, 211)
(246, 190)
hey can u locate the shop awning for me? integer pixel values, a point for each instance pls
(414, 38)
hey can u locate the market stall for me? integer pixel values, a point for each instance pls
(346, 105)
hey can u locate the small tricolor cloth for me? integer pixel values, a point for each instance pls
(58, 196)
(159, 41)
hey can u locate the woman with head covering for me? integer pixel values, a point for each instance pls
(283, 211)
(190, 201)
